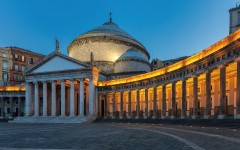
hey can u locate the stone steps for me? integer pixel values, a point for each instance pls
(70, 119)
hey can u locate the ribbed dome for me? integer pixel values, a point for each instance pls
(132, 54)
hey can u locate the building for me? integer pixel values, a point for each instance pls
(14, 61)
(6, 63)
(121, 85)
(21, 59)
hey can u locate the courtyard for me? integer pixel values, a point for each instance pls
(117, 136)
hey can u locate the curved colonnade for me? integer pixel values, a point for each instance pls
(204, 85)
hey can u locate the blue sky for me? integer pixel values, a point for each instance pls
(167, 28)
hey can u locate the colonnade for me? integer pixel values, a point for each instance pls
(202, 95)
(72, 97)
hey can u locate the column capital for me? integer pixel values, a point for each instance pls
(237, 59)
(222, 66)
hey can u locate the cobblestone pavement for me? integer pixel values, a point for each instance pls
(117, 136)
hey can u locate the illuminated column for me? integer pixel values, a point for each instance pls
(195, 96)
(207, 112)
(63, 101)
(121, 105)
(146, 103)
(113, 106)
(237, 113)
(222, 111)
(129, 105)
(154, 102)
(72, 110)
(163, 102)
(81, 97)
(138, 104)
(183, 113)
(27, 99)
(106, 105)
(36, 100)
(44, 98)
(53, 98)
(173, 100)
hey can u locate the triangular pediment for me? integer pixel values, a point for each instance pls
(56, 62)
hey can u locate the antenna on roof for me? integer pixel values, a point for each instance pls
(110, 15)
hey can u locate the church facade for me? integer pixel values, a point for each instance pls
(108, 74)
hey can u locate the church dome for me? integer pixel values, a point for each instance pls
(132, 60)
(107, 42)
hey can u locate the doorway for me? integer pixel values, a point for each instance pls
(102, 108)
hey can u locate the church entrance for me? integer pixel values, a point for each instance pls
(102, 108)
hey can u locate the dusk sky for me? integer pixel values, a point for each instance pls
(167, 28)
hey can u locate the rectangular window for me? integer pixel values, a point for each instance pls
(22, 58)
(16, 67)
(16, 56)
(5, 65)
(23, 68)
(31, 60)
(5, 77)
(15, 77)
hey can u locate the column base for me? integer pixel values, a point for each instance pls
(136, 117)
(206, 117)
(194, 117)
(105, 117)
(172, 117)
(183, 117)
(163, 117)
(221, 116)
(154, 117)
(237, 116)
(112, 117)
(121, 117)
(145, 117)
(129, 117)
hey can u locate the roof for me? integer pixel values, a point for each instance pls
(132, 54)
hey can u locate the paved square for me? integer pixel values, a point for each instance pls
(116, 136)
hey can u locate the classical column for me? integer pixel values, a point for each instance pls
(154, 102)
(53, 99)
(11, 106)
(207, 112)
(195, 97)
(44, 98)
(19, 106)
(27, 100)
(237, 114)
(72, 110)
(129, 104)
(146, 103)
(173, 100)
(91, 97)
(121, 105)
(113, 106)
(63, 100)
(106, 105)
(163, 101)
(138, 104)
(3, 103)
(81, 97)
(36, 99)
(223, 106)
(183, 113)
